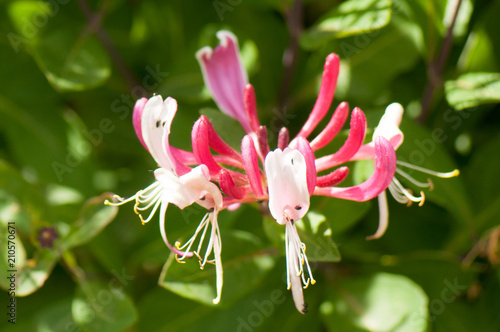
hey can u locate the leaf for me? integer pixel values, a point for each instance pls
(314, 231)
(56, 317)
(36, 271)
(349, 18)
(473, 89)
(382, 302)
(102, 307)
(70, 57)
(94, 217)
(244, 262)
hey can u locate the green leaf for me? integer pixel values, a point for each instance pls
(33, 274)
(70, 57)
(383, 302)
(245, 263)
(94, 217)
(473, 89)
(101, 307)
(349, 18)
(314, 231)
(342, 214)
(56, 317)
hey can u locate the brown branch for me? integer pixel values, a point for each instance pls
(94, 24)
(293, 18)
(435, 69)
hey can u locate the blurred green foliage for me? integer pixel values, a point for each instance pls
(71, 72)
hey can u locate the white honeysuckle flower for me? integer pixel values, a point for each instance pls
(286, 174)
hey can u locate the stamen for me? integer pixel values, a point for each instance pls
(405, 192)
(444, 175)
(407, 176)
(120, 199)
(151, 214)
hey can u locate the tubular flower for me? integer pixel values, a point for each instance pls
(217, 176)
(289, 175)
(175, 182)
(388, 128)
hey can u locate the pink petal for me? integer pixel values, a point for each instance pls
(325, 96)
(304, 148)
(251, 107)
(283, 138)
(225, 76)
(228, 186)
(263, 141)
(351, 145)
(136, 119)
(383, 213)
(332, 128)
(251, 162)
(385, 167)
(217, 143)
(286, 173)
(333, 178)
(201, 148)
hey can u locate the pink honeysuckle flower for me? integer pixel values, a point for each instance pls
(225, 76)
(388, 128)
(290, 173)
(175, 182)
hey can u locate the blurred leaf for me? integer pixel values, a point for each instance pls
(482, 178)
(11, 246)
(473, 89)
(316, 234)
(69, 56)
(101, 307)
(342, 214)
(33, 274)
(245, 263)
(349, 18)
(92, 220)
(55, 317)
(368, 64)
(424, 149)
(383, 302)
(313, 230)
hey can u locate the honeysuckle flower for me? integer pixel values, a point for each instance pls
(175, 182)
(388, 128)
(290, 173)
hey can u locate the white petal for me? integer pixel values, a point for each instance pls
(189, 188)
(157, 118)
(388, 127)
(287, 185)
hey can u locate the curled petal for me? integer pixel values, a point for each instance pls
(325, 96)
(286, 173)
(385, 167)
(333, 178)
(332, 128)
(251, 163)
(304, 148)
(351, 145)
(388, 127)
(225, 76)
(383, 213)
(136, 119)
(201, 148)
(251, 107)
(156, 120)
(217, 143)
(189, 188)
(228, 186)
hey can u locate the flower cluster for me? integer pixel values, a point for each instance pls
(216, 176)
